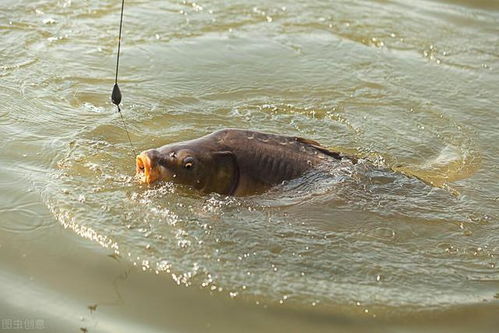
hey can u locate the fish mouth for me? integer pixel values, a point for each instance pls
(147, 171)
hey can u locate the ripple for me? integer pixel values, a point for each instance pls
(224, 243)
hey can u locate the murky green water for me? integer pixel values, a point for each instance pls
(409, 86)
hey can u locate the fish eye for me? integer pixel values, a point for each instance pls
(188, 162)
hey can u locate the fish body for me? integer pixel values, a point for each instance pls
(233, 161)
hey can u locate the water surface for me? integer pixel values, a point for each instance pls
(406, 86)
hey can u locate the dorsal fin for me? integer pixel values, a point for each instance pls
(324, 150)
(307, 141)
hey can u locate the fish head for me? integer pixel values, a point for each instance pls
(200, 167)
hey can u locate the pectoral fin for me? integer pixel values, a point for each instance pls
(226, 179)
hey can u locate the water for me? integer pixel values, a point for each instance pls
(408, 86)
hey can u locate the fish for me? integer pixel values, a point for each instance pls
(234, 162)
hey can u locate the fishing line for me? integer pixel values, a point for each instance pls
(116, 94)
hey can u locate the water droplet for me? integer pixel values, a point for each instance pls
(49, 21)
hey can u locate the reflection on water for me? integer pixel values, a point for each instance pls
(409, 87)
